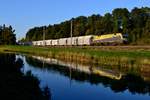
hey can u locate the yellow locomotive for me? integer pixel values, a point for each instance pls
(116, 38)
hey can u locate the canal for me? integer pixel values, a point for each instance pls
(74, 81)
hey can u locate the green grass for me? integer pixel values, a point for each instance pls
(78, 51)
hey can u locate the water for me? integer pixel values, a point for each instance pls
(73, 81)
(70, 81)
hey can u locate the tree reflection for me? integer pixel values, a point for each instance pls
(132, 82)
(16, 85)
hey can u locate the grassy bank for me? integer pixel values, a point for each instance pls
(101, 51)
(101, 55)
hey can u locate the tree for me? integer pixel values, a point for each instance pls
(121, 18)
(79, 26)
(107, 23)
(7, 35)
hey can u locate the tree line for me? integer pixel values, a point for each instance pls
(7, 36)
(135, 23)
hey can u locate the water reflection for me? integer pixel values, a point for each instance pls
(15, 85)
(114, 79)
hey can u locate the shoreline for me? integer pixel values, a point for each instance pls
(86, 54)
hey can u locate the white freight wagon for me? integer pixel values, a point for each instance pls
(48, 42)
(63, 41)
(55, 42)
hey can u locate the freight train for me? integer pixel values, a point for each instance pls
(108, 39)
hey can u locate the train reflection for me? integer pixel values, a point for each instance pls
(82, 68)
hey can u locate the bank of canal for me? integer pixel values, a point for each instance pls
(123, 58)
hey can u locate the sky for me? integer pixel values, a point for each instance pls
(26, 14)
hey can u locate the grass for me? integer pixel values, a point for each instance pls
(78, 51)
(86, 55)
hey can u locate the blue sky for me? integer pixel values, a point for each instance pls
(25, 14)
